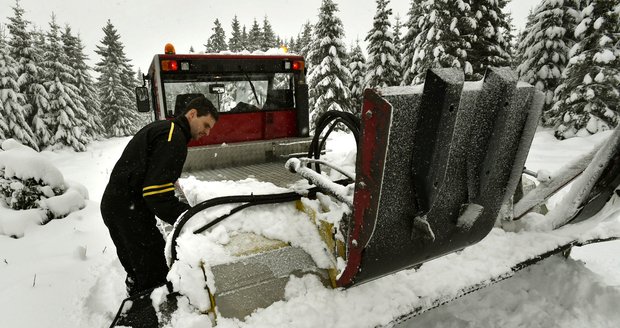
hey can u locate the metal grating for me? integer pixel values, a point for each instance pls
(273, 172)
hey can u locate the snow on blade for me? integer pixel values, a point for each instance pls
(582, 187)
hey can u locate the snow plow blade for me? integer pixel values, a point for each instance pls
(434, 167)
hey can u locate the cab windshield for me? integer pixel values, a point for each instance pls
(233, 93)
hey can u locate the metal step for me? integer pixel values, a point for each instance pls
(244, 153)
(273, 172)
(258, 280)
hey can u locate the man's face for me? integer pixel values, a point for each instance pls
(199, 126)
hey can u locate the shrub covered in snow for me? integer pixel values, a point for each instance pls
(32, 191)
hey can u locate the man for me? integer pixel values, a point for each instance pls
(141, 187)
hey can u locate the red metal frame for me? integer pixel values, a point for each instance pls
(376, 120)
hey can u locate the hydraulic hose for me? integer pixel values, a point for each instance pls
(332, 117)
(247, 200)
(251, 200)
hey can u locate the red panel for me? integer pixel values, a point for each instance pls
(235, 127)
(280, 124)
(376, 120)
(252, 126)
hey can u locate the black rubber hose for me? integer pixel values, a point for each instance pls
(333, 118)
(253, 199)
(249, 200)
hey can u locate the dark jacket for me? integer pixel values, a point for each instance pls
(150, 165)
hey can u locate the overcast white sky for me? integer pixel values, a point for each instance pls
(146, 26)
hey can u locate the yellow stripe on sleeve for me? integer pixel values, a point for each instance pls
(157, 192)
(157, 187)
(170, 133)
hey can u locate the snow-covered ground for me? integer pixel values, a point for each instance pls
(65, 274)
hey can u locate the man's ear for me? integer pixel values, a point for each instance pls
(191, 113)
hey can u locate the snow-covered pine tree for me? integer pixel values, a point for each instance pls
(382, 69)
(115, 92)
(304, 42)
(415, 18)
(545, 46)
(13, 116)
(67, 112)
(291, 44)
(244, 39)
(191, 49)
(398, 43)
(268, 39)
(521, 46)
(486, 36)
(439, 43)
(588, 100)
(9, 89)
(235, 43)
(255, 35)
(510, 35)
(30, 73)
(357, 66)
(39, 118)
(217, 40)
(74, 50)
(13, 122)
(329, 79)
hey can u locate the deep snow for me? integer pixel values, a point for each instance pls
(65, 274)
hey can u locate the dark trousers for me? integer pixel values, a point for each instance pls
(139, 245)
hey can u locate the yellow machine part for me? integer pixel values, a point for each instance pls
(327, 233)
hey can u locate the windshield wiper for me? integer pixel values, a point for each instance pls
(251, 85)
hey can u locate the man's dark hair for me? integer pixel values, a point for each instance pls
(203, 106)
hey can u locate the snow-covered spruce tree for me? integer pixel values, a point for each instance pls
(413, 27)
(486, 36)
(13, 122)
(115, 87)
(510, 35)
(304, 41)
(74, 50)
(268, 39)
(30, 73)
(40, 116)
(217, 40)
(357, 66)
(329, 79)
(521, 46)
(244, 39)
(382, 69)
(439, 43)
(545, 45)
(235, 44)
(398, 43)
(292, 45)
(255, 35)
(588, 100)
(67, 113)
